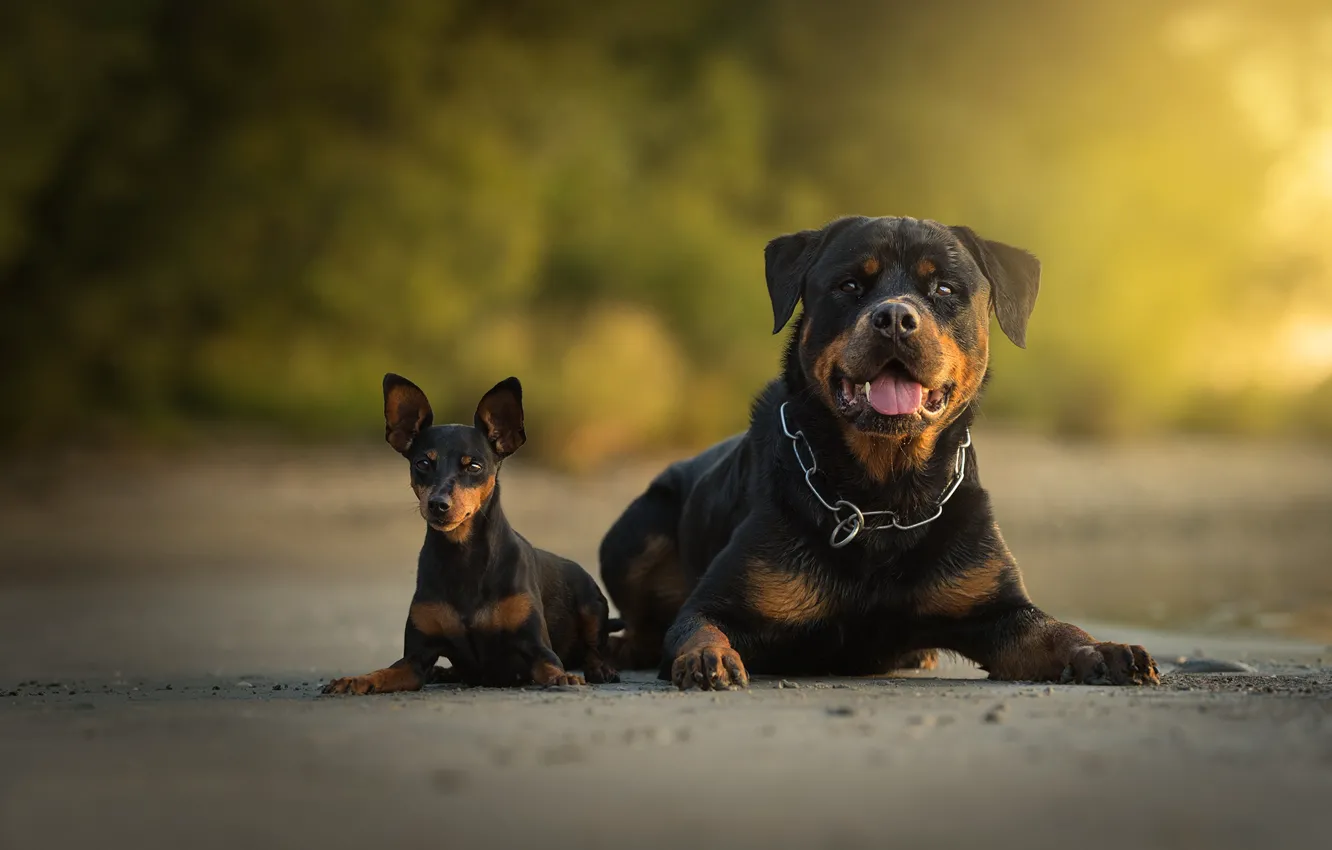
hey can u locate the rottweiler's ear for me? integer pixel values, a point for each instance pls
(406, 412)
(500, 417)
(786, 260)
(1014, 275)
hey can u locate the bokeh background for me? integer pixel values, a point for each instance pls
(221, 223)
(245, 212)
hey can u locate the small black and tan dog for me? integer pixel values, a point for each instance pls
(500, 610)
(847, 532)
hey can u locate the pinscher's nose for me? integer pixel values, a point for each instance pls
(438, 504)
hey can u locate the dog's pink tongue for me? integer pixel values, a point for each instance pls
(895, 396)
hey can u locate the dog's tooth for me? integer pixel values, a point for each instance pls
(867, 389)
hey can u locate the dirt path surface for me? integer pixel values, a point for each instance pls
(187, 714)
(160, 662)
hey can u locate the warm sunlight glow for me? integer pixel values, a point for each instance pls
(1306, 343)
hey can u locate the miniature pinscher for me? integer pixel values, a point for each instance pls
(500, 610)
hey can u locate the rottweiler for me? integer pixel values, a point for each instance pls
(846, 532)
(500, 610)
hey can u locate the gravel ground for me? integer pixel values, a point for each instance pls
(160, 660)
(188, 714)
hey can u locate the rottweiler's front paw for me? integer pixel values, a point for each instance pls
(1111, 664)
(564, 679)
(713, 668)
(359, 685)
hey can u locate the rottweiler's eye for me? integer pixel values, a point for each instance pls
(474, 467)
(850, 285)
(425, 464)
(943, 289)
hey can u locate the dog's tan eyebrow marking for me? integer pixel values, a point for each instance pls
(925, 267)
(432, 454)
(465, 460)
(871, 266)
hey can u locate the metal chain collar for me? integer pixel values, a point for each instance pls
(851, 519)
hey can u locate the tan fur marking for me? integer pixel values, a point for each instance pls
(545, 673)
(506, 615)
(467, 501)
(925, 659)
(871, 266)
(436, 619)
(957, 598)
(707, 660)
(965, 374)
(657, 573)
(395, 679)
(884, 457)
(399, 677)
(783, 597)
(925, 268)
(589, 628)
(595, 668)
(654, 589)
(706, 636)
(1040, 655)
(828, 359)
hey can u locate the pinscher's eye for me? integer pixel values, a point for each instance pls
(943, 289)
(424, 464)
(469, 464)
(850, 285)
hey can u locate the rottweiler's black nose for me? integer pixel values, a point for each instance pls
(438, 504)
(896, 319)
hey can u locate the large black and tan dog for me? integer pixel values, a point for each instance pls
(847, 532)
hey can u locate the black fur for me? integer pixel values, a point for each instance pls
(500, 610)
(724, 566)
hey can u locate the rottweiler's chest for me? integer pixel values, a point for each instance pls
(855, 644)
(817, 623)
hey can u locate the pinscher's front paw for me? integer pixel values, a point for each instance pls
(358, 685)
(547, 674)
(598, 672)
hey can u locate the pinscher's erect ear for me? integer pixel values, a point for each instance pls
(500, 417)
(406, 412)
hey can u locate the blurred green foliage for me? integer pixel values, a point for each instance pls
(247, 211)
